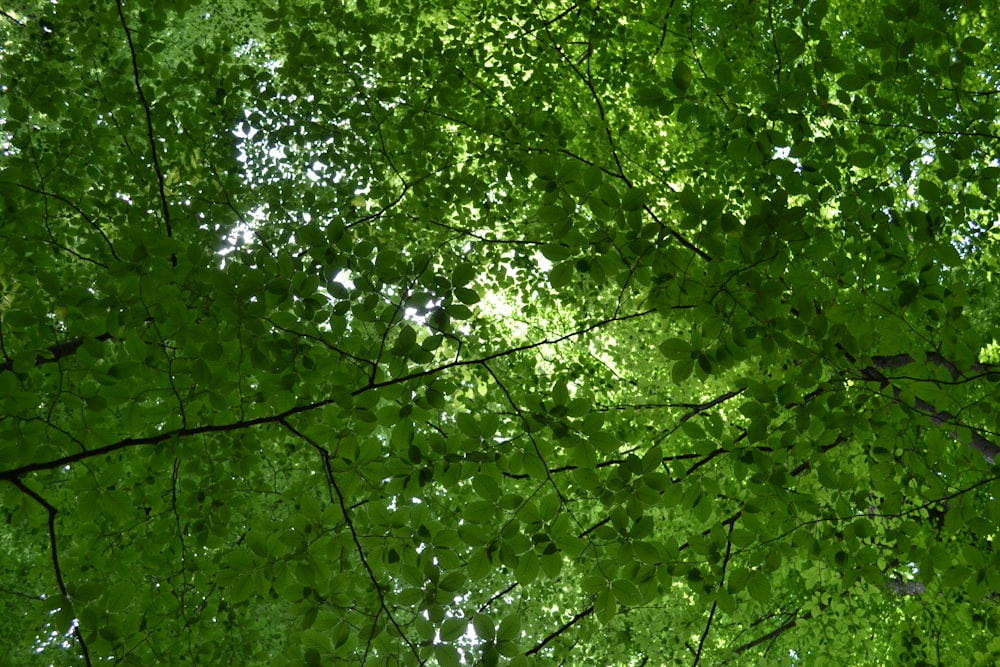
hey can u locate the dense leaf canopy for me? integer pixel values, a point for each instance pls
(615, 332)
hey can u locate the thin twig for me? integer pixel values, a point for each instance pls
(563, 628)
(160, 180)
(54, 549)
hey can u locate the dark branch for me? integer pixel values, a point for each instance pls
(56, 352)
(332, 480)
(89, 220)
(976, 440)
(151, 135)
(496, 597)
(11, 18)
(15, 473)
(715, 603)
(54, 549)
(784, 627)
(563, 628)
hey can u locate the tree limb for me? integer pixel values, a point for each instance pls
(563, 628)
(54, 549)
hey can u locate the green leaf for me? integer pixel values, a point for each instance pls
(930, 190)
(466, 295)
(484, 627)
(605, 606)
(463, 274)
(972, 44)
(681, 76)
(955, 575)
(862, 159)
(681, 370)
(527, 568)
(852, 81)
(759, 587)
(737, 579)
(676, 348)
(543, 166)
(453, 628)
(789, 41)
(486, 486)
(647, 552)
(561, 274)
(626, 593)
(447, 655)
(510, 628)
(634, 199)
(552, 214)
(453, 581)
(8, 382)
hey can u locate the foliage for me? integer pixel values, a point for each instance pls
(520, 332)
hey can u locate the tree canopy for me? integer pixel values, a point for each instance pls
(507, 332)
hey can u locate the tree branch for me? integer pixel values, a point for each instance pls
(715, 603)
(901, 360)
(563, 628)
(54, 549)
(332, 480)
(160, 181)
(56, 352)
(784, 627)
(976, 439)
(15, 473)
(496, 597)
(11, 18)
(89, 220)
